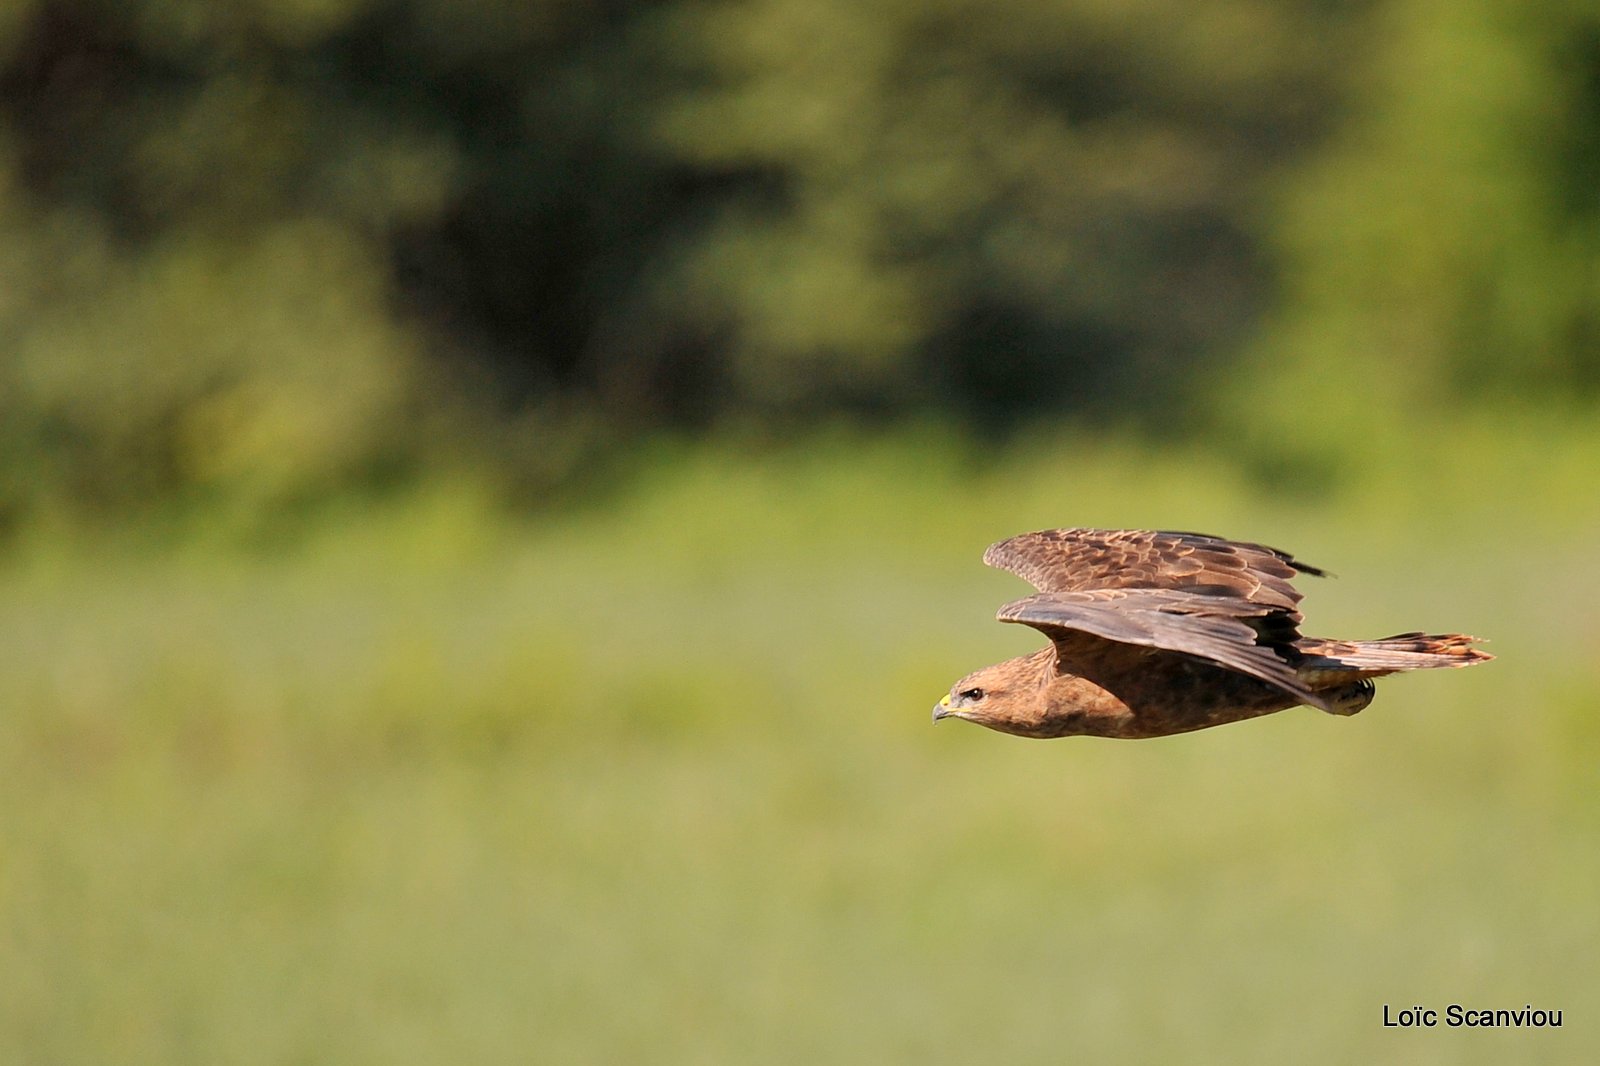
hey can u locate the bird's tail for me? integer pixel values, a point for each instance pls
(1334, 660)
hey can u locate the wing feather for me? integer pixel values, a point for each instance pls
(1206, 625)
(1074, 560)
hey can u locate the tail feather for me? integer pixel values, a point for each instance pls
(1353, 659)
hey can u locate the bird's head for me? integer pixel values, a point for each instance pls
(1008, 696)
(983, 696)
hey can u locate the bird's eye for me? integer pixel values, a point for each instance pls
(973, 694)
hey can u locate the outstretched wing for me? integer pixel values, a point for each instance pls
(1104, 591)
(1075, 560)
(1097, 633)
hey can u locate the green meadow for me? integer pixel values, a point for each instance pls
(652, 779)
(491, 493)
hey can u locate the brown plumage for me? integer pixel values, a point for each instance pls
(1155, 633)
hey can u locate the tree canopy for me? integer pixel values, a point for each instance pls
(269, 249)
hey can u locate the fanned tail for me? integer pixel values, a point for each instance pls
(1328, 661)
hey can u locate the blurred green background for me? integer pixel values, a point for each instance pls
(489, 493)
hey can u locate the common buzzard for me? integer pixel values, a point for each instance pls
(1155, 633)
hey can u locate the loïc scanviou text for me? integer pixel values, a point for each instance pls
(1457, 1016)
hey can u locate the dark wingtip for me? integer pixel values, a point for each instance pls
(1304, 568)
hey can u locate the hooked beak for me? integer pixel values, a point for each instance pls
(942, 708)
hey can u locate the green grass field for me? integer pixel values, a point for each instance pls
(654, 781)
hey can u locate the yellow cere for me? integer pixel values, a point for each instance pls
(946, 701)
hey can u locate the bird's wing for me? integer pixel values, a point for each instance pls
(1074, 560)
(1093, 630)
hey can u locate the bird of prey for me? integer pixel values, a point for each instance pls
(1156, 633)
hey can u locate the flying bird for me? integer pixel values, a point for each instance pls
(1156, 633)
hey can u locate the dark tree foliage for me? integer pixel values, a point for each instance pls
(267, 250)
